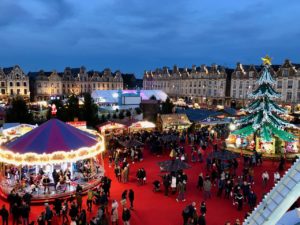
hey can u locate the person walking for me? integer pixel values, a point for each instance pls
(126, 216)
(4, 214)
(131, 198)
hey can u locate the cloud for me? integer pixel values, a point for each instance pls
(152, 33)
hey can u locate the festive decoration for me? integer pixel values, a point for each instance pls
(50, 143)
(263, 113)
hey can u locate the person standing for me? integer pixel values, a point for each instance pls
(126, 216)
(207, 188)
(124, 198)
(265, 178)
(180, 189)
(16, 214)
(200, 181)
(25, 213)
(252, 200)
(276, 177)
(239, 199)
(82, 217)
(203, 208)
(41, 219)
(89, 201)
(79, 200)
(131, 198)
(48, 215)
(166, 182)
(64, 212)
(114, 215)
(201, 220)
(4, 214)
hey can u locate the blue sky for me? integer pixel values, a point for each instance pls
(138, 35)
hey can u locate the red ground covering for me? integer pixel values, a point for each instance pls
(155, 208)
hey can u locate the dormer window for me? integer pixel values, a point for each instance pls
(285, 72)
(251, 74)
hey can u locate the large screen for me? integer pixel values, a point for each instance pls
(131, 100)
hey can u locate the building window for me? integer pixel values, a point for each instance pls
(234, 93)
(285, 72)
(240, 94)
(2, 84)
(290, 83)
(25, 91)
(11, 91)
(279, 84)
(298, 84)
(18, 91)
(234, 84)
(289, 96)
(11, 84)
(3, 91)
(25, 84)
(251, 73)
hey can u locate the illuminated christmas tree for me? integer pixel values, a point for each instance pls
(263, 113)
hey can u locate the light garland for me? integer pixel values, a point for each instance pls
(56, 157)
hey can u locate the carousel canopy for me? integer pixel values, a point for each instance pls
(50, 137)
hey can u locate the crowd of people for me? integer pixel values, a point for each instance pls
(228, 181)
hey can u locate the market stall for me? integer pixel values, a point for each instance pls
(178, 122)
(141, 126)
(10, 131)
(110, 127)
(50, 161)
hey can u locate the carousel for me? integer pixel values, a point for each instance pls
(51, 161)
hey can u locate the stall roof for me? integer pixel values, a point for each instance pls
(142, 124)
(175, 118)
(214, 121)
(228, 111)
(197, 115)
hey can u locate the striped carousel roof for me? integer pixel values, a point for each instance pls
(53, 135)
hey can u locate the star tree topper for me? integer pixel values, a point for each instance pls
(267, 60)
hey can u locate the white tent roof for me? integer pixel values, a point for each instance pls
(111, 96)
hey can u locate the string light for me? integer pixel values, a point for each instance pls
(56, 157)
